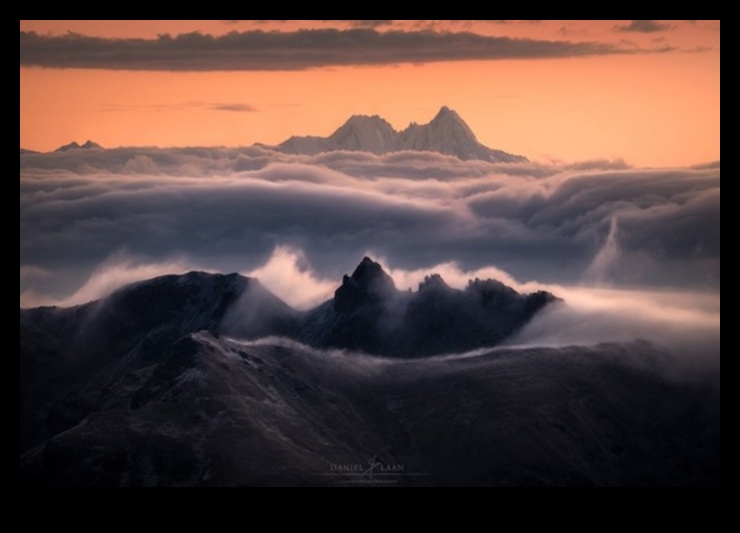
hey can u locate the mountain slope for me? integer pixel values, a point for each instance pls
(219, 412)
(85, 347)
(447, 134)
(144, 388)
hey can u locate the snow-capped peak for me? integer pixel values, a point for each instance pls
(447, 133)
(364, 133)
(449, 120)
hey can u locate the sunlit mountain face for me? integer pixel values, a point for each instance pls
(447, 134)
(369, 253)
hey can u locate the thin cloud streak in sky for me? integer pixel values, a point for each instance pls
(240, 108)
(354, 23)
(185, 106)
(295, 50)
(644, 26)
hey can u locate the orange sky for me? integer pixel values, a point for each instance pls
(658, 107)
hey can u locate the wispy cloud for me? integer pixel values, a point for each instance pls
(387, 23)
(644, 26)
(290, 50)
(239, 108)
(182, 106)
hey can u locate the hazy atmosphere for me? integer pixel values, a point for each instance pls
(151, 148)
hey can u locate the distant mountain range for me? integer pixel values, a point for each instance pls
(89, 145)
(71, 147)
(447, 133)
(158, 384)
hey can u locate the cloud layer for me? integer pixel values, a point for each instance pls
(229, 210)
(289, 50)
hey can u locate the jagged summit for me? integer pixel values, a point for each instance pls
(370, 275)
(363, 133)
(447, 118)
(433, 282)
(367, 313)
(447, 133)
(368, 283)
(67, 147)
(89, 145)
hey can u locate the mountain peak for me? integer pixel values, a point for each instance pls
(368, 283)
(368, 313)
(368, 271)
(447, 133)
(370, 277)
(89, 145)
(450, 122)
(71, 146)
(75, 146)
(363, 133)
(433, 282)
(365, 119)
(445, 111)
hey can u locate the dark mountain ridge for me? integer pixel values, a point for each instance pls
(143, 388)
(126, 331)
(368, 313)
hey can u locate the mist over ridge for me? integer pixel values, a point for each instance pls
(81, 210)
(460, 316)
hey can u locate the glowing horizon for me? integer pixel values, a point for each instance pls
(646, 92)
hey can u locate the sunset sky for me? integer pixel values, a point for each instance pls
(619, 121)
(580, 158)
(647, 91)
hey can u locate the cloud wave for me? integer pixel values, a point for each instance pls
(229, 209)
